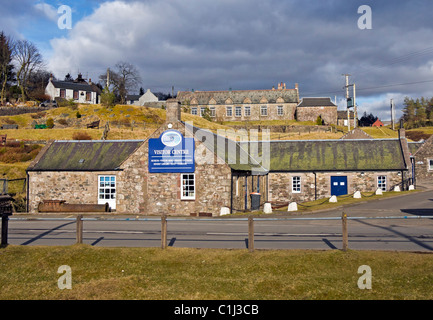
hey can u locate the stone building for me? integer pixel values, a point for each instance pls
(120, 172)
(422, 154)
(243, 105)
(311, 108)
(342, 118)
(314, 169)
(181, 170)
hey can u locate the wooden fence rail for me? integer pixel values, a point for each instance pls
(164, 225)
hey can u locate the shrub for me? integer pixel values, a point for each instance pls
(81, 136)
(107, 98)
(78, 115)
(50, 123)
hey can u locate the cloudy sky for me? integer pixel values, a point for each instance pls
(241, 44)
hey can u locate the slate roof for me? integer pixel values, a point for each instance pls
(230, 151)
(414, 146)
(80, 86)
(343, 114)
(333, 155)
(316, 102)
(239, 96)
(85, 155)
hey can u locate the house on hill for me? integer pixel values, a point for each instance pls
(140, 100)
(342, 118)
(243, 105)
(181, 170)
(309, 109)
(79, 90)
(377, 123)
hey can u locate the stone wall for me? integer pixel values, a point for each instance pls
(137, 190)
(328, 114)
(422, 159)
(255, 111)
(73, 187)
(280, 184)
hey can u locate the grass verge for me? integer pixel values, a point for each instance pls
(209, 274)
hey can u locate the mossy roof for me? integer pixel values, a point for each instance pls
(74, 155)
(228, 150)
(332, 155)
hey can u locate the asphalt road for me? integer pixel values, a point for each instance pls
(364, 234)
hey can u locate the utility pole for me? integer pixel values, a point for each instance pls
(347, 97)
(392, 114)
(355, 113)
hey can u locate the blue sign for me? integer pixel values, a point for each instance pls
(171, 152)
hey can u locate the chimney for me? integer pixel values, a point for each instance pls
(51, 77)
(172, 111)
(401, 131)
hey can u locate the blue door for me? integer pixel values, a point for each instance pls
(338, 185)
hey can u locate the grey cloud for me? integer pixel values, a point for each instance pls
(213, 45)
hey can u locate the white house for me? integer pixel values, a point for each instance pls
(138, 100)
(79, 90)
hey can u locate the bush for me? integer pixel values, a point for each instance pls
(78, 114)
(107, 98)
(81, 136)
(50, 123)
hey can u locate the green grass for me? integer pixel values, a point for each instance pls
(200, 274)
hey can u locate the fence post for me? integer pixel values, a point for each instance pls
(164, 231)
(345, 234)
(79, 228)
(250, 234)
(4, 232)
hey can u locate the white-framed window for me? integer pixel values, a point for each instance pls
(280, 110)
(296, 184)
(194, 111)
(430, 164)
(212, 111)
(107, 190)
(202, 110)
(187, 186)
(247, 111)
(381, 183)
(229, 111)
(264, 110)
(238, 111)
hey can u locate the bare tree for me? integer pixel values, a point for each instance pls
(6, 67)
(122, 80)
(29, 59)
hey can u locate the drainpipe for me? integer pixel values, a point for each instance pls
(315, 186)
(402, 181)
(27, 192)
(246, 193)
(231, 193)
